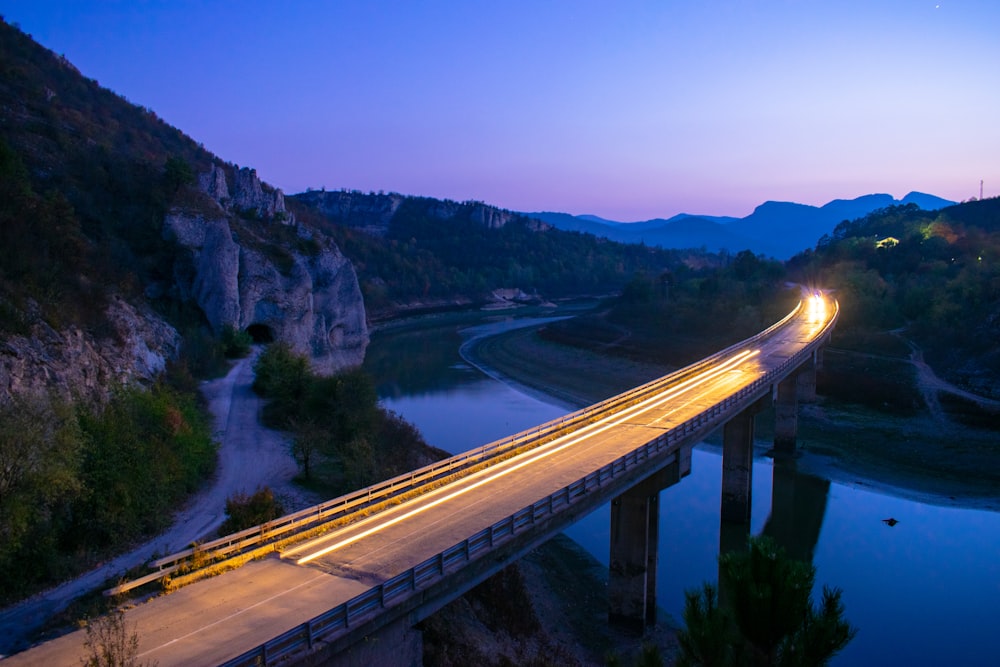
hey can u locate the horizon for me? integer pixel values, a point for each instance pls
(625, 115)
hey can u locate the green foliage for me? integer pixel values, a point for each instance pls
(246, 511)
(769, 617)
(424, 256)
(178, 173)
(236, 344)
(941, 280)
(75, 484)
(85, 181)
(281, 376)
(145, 451)
(341, 438)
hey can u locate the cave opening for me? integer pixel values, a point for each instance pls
(260, 333)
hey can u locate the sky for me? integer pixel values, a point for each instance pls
(627, 110)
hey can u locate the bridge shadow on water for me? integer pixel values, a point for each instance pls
(798, 506)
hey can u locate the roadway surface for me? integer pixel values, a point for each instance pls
(219, 618)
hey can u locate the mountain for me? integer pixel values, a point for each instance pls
(123, 243)
(776, 229)
(420, 253)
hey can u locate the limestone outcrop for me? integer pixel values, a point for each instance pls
(73, 364)
(295, 285)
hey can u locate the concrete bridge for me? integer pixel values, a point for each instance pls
(352, 594)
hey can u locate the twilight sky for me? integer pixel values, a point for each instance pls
(627, 110)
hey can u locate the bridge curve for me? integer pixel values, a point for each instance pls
(385, 572)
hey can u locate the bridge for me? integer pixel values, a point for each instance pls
(346, 581)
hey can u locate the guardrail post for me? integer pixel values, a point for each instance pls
(807, 377)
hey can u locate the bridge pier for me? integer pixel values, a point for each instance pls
(635, 520)
(794, 389)
(737, 466)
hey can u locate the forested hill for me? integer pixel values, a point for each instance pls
(411, 251)
(936, 274)
(85, 189)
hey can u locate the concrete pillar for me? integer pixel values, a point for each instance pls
(806, 386)
(786, 415)
(635, 520)
(737, 467)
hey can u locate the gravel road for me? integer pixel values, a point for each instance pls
(250, 456)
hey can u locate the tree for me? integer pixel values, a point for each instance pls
(246, 511)
(768, 618)
(178, 173)
(112, 642)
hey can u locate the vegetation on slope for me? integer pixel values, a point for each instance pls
(341, 438)
(424, 257)
(78, 481)
(935, 274)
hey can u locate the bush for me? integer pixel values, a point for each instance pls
(236, 344)
(243, 511)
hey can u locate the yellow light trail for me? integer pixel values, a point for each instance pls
(600, 426)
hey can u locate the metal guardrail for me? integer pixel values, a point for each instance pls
(331, 624)
(331, 510)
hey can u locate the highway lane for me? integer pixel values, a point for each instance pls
(220, 618)
(384, 543)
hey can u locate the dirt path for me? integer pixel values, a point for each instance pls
(930, 385)
(250, 456)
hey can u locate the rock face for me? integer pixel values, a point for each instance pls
(372, 212)
(72, 364)
(303, 292)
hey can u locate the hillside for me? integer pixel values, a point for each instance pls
(774, 229)
(935, 275)
(118, 240)
(421, 252)
(131, 261)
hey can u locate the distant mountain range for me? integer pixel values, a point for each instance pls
(775, 229)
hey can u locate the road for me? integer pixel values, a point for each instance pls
(211, 619)
(250, 457)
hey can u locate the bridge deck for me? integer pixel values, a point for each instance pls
(220, 618)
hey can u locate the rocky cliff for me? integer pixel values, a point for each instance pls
(74, 364)
(372, 212)
(268, 274)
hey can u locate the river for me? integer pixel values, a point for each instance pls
(925, 591)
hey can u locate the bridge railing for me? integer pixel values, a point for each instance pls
(342, 506)
(334, 623)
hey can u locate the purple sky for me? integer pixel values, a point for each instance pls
(627, 110)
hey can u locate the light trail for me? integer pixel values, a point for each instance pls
(534, 456)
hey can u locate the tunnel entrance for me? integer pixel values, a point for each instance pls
(260, 333)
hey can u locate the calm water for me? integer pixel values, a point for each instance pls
(924, 592)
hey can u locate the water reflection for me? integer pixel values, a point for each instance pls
(924, 592)
(798, 506)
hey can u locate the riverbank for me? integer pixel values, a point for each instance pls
(918, 457)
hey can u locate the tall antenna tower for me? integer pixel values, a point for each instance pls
(980, 189)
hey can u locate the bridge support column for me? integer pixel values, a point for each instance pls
(635, 518)
(786, 414)
(807, 378)
(737, 466)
